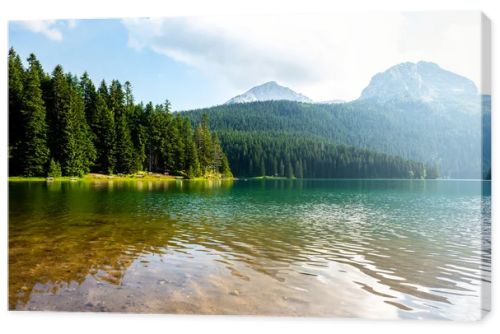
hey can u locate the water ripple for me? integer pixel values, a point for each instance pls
(420, 249)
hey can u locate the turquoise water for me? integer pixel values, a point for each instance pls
(350, 248)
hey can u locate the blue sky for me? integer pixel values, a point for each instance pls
(204, 61)
(100, 48)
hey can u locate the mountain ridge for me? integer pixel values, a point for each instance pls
(421, 81)
(424, 81)
(269, 91)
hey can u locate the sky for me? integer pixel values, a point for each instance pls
(197, 62)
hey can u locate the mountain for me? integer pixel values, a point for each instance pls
(422, 81)
(270, 91)
(418, 112)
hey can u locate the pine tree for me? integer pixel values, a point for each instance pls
(226, 171)
(54, 169)
(275, 167)
(34, 149)
(89, 99)
(58, 115)
(217, 153)
(124, 148)
(178, 143)
(138, 131)
(298, 169)
(80, 151)
(204, 145)
(104, 92)
(129, 97)
(70, 136)
(282, 168)
(16, 121)
(289, 169)
(157, 121)
(191, 162)
(105, 136)
(262, 168)
(137, 127)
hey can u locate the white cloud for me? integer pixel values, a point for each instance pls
(72, 24)
(323, 57)
(450, 39)
(48, 28)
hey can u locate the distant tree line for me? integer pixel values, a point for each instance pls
(63, 125)
(257, 153)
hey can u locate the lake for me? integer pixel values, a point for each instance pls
(383, 249)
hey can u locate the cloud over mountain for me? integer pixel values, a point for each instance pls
(321, 56)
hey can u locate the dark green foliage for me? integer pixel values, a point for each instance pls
(191, 162)
(70, 137)
(179, 144)
(138, 129)
(124, 151)
(54, 169)
(137, 124)
(258, 154)
(172, 148)
(34, 152)
(226, 170)
(89, 99)
(299, 173)
(157, 144)
(99, 130)
(82, 154)
(218, 154)
(204, 144)
(57, 113)
(210, 153)
(289, 169)
(16, 95)
(104, 134)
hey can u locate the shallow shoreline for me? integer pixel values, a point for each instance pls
(110, 178)
(160, 177)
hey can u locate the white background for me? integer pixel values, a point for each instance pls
(46, 322)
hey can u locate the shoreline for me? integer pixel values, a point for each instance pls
(95, 177)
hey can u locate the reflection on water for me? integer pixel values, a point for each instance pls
(354, 248)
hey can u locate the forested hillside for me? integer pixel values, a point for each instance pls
(445, 136)
(62, 124)
(274, 154)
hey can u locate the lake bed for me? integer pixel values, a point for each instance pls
(382, 249)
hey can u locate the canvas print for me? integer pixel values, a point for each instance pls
(332, 165)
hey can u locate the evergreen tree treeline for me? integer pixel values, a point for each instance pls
(258, 153)
(63, 125)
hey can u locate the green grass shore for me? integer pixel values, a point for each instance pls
(95, 177)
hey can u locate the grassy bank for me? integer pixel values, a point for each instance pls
(95, 177)
(270, 178)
